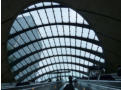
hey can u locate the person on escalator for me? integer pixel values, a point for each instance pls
(70, 85)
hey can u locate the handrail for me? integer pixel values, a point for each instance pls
(44, 84)
(101, 84)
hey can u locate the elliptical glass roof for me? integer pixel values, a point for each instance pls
(48, 40)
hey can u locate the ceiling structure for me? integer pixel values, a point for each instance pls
(48, 37)
(104, 20)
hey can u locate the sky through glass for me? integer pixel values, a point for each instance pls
(48, 37)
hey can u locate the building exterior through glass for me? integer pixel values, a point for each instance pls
(50, 40)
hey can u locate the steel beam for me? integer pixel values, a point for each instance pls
(25, 67)
(43, 7)
(25, 76)
(49, 24)
(37, 51)
(78, 38)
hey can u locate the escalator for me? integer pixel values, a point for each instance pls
(81, 85)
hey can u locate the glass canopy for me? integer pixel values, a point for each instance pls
(48, 39)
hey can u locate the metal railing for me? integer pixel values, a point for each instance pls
(35, 86)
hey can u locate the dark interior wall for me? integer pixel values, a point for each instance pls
(103, 15)
(109, 32)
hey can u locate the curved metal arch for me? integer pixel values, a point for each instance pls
(75, 37)
(25, 67)
(61, 76)
(37, 51)
(93, 61)
(56, 70)
(32, 63)
(49, 24)
(28, 74)
(43, 7)
(82, 10)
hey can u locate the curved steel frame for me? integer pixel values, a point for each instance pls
(51, 24)
(56, 70)
(78, 38)
(61, 76)
(71, 47)
(24, 67)
(93, 61)
(78, 48)
(44, 7)
(22, 78)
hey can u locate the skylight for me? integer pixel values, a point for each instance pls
(48, 37)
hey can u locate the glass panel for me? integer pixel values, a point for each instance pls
(28, 60)
(79, 31)
(65, 14)
(48, 30)
(96, 38)
(29, 19)
(9, 46)
(46, 17)
(41, 30)
(39, 5)
(66, 30)
(79, 18)
(85, 22)
(12, 31)
(50, 15)
(22, 22)
(72, 16)
(47, 3)
(17, 55)
(17, 26)
(24, 37)
(11, 58)
(30, 35)
(72, 30)
(19, 65)
(16, 77)
(37, 46)
(102, 60)
(83, 44)
(54, 3)
(100, 49)
(13, 43)
(91, 34)
(92, 56)
(85, 32)
(97, 58)
(27, 49)
(32, 58)
(23, 62)
(43, 16)
(36, 33)
(14, 68)
(22, 52)
(57, 14)
(32, 6)
(31, 47)
(36, 17)
(19, 40)
(94, 47)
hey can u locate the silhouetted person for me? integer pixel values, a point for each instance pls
(119, 70)
(70, 85)
(49, 80)
(57, 79)
(75, 83)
